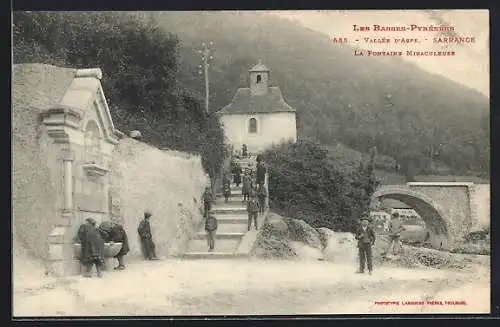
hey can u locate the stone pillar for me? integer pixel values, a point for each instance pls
(60, 243)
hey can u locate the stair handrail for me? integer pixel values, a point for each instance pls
(266, 185)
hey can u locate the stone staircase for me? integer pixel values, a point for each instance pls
(232, 239)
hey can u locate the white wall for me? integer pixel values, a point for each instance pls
(271, 128)
(167, 183)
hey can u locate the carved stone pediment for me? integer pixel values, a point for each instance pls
(84, 98)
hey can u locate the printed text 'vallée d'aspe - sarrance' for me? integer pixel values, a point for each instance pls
(372, 37)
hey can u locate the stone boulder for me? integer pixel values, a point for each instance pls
(287, 238)
(338, 247)
(305, 252)
(276, 225)
(272, 241)
(300, 231)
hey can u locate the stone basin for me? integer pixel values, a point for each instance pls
(110, 249)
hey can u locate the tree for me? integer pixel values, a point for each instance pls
(140, 65)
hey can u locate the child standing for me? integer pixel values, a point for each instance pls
(211, 229)
(253, 209)
(227, 190)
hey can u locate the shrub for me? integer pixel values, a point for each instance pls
(305, 184)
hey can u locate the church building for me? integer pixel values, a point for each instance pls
(258, 116)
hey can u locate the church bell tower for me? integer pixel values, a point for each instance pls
(259, 79)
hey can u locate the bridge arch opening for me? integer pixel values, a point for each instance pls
(435, 223)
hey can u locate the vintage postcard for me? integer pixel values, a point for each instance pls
(250, 163)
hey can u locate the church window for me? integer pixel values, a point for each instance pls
(259, 79)
(252, 125)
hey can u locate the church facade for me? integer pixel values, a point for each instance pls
(258, 115)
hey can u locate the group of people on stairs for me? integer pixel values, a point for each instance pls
(254, 196)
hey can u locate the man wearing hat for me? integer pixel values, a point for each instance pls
(144, 230)
(261, 170)
(395, 229)
(207, 201)
(253, 209)
(92, 247)
(366, 239)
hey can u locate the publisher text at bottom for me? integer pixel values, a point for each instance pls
(426, 303)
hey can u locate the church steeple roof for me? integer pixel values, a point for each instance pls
(259, 67)
(245, 103)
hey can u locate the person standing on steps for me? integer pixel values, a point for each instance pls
(207, 201)
(261, 195)
(261, 170)
(244, 151)
(226, 190)
(146, 237)
(366, 239)
(113, 232)
(246, 187)
(237, 174)
(253, 209)
(92, 247)
(211, 229)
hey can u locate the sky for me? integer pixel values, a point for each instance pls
(470, 65)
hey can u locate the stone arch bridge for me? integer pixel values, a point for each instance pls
(450, 210)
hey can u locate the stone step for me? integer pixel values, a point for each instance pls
(239, 227)
(224, 245)
(202, 235)
(232, 218)
(228, 210)
(230, 204)
(234, 192)
(235, 197)
(212, 255)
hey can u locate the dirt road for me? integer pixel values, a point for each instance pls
(243, 287)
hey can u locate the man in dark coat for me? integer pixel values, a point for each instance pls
(244, 151)
(113, 232)
(366, 239)
(146, 237)
(237, 174)
(261, 171)
(92, 247)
